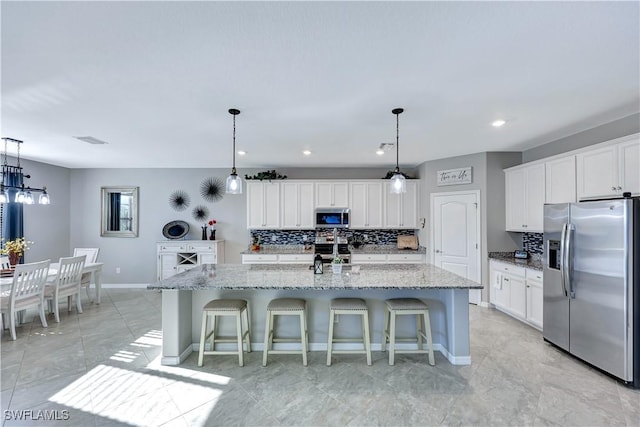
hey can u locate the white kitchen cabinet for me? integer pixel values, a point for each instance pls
(610, 170)
(365, 204)
(534, 298)
(306, 258)
(401, 210)
(399, 258)
(297, 207)
(176, 257)
(509, 289)
(560, 180)
(517, 291)
(525, 198)
(263, 205)
(332, 194)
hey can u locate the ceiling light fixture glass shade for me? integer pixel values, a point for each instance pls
(234, 182)
(398, 182)
(13, 181)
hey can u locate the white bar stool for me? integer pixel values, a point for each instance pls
(355, 306)
(406, 306)
(225, 307)
(286, 307)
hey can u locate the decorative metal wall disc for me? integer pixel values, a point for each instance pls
(179, 200)
(211, 189)
(200, 213)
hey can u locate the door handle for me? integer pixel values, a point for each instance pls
(563, 250)
(437, 251)
(567, 259)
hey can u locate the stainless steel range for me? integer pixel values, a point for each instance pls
(330, 246)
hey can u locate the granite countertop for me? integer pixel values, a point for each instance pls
(534, 261)
(365, 249)
(247, 277)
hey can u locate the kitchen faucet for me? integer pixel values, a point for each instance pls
(335, 242)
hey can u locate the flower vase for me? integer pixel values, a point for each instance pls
(204, 233)
(337, 268)
(14, 258)
(212, 236)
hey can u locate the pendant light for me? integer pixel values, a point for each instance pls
(398, 183)
(234, 182)
(13, 178)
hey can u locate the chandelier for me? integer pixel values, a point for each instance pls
(13, 181)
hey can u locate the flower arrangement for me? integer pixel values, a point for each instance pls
(336, 260)
(212, 227)
(212, 224)
(15, 249)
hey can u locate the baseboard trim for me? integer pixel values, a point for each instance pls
(454, 360)
(176, 360)
(485, 304)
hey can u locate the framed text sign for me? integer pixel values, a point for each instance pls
(454, 176)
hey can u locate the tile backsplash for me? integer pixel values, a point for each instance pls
(532, 243)
(297, 237)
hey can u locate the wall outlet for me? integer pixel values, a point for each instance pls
(117, 270)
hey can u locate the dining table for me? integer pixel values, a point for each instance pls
(95, 268)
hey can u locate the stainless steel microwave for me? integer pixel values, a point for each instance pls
(332, 217)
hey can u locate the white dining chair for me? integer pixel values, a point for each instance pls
(27, 290)
(66, 284)
(92, 256)
(4, 263)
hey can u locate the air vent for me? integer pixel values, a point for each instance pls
(90, 140)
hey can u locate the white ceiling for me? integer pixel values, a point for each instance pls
(155, 79)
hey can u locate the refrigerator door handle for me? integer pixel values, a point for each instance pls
(563, 251)
(567, 259)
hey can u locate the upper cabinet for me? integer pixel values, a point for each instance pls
(263, 205)
(291, 204)
(297, 205)
(401, 210)
(365, 204)
(332, 194)
(525, 197)
(560, 180)
(609, 171)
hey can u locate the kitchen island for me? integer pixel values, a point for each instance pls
(185, 294)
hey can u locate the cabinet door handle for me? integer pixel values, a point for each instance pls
(620, 188)
(613, 188)
(506, 279)
(528, 286)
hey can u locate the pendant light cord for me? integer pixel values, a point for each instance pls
(397, 142)
(233, 169)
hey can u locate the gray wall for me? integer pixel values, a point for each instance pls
(47, 226)
(616, 129)
(488, 177)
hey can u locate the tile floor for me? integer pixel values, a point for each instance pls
(101, 368)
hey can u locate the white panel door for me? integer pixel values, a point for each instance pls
(456, 236)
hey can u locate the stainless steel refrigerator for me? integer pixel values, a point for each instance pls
(591, 283)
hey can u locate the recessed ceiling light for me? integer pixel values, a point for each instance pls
(306, 152)
(379, 151)
(498, 123)
(241, 152)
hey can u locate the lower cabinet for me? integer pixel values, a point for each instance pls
(277, 259)
(179, 256)
(517, 291)
(387, 258)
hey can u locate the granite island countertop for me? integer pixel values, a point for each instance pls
(534, 261)
(255, 277)
(386, 249)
